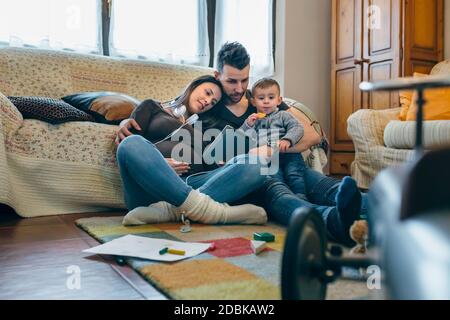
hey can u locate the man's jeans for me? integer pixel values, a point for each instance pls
(322, 190)
(147, 178)
(281, 201)
(293, 167)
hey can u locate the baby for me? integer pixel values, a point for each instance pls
(278, 129)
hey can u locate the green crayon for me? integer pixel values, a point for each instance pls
(164, 250)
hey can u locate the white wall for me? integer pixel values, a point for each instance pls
(304, 52)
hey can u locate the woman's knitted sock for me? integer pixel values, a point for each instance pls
(200, 207)
(160, 212)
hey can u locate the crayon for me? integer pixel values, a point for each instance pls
(178, 252)
(164, 250)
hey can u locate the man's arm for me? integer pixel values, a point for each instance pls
(310, 137)
(294, 130)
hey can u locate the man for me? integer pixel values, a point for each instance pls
(339, 203)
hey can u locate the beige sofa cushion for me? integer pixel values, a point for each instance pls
(54, 74)
(442, 67)
(401, 134)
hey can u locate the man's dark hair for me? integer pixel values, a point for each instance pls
(233, 54)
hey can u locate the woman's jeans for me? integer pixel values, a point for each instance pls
(147, 178)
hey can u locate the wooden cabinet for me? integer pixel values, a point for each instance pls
(341, 162)
(423, 36)
(377, 40)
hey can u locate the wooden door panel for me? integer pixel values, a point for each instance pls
(423, 33)
(381, 23)
(346, 42)
(421, 66)
(347, 101)
(381, 50)
(380, 26)
(382, 100)
(346, 28)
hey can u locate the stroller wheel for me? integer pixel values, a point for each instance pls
(304, 257)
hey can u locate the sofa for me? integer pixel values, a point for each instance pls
(48, 169)
(381, 140)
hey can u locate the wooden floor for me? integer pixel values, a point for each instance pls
(35, 255)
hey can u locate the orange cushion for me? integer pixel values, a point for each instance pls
(406, 98)
(113, 108)
(437, 106)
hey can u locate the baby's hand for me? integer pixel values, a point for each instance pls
(283, 145)
(251, 120)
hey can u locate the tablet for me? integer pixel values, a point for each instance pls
(227, 145)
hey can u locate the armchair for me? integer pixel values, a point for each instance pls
(367, 129)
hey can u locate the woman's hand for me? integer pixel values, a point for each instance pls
(179, 167)
(124, 129)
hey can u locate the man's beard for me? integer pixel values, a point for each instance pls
(234, 98)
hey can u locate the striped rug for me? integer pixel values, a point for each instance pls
(229, 272)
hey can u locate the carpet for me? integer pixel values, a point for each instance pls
(229, 272)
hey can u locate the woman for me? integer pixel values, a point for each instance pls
(151, 177)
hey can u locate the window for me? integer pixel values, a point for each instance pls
(249, 22)
(176, 31)
(173, 31)
(56, 24)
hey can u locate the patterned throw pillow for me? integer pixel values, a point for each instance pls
(49, 110)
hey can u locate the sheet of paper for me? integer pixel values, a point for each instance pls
(148, 248)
